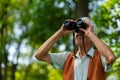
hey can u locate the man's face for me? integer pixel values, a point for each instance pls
(79, 39)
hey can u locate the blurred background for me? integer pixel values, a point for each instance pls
(26, 24)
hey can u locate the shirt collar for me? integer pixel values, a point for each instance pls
(90, 52)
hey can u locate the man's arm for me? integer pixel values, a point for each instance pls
(42, 52)
(101, 46)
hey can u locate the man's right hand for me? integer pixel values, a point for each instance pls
(64, 31)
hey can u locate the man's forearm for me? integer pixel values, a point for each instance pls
(102, 48)
(43, 50)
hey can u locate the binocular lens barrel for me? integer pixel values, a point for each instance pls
(75, 25)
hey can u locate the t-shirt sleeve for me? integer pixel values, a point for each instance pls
(106, 67)
(58, 59)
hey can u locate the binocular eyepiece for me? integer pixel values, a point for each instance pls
(70, 25)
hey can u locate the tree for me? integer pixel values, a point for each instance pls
(4, 39)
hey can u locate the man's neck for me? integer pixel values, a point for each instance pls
(83, 51)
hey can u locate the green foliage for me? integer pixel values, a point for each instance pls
(42, 19)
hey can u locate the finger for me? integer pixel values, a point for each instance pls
(69, 31)
(71, 20)
(81, 29)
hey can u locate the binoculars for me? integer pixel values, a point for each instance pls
(70, 25)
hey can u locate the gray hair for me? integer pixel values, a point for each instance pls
(90, 21)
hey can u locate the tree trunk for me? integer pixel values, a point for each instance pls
(14, 65)
(4, 39)
(1, 52)
(81, 8)
(28, 68)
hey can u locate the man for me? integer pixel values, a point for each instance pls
(91, 65)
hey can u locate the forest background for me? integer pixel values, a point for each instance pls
(26, 24)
